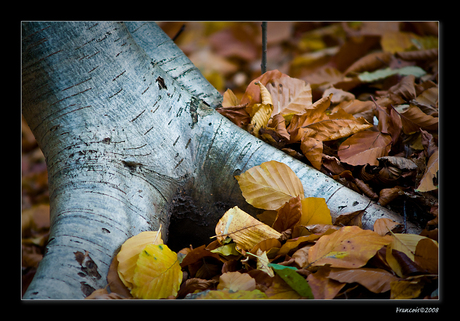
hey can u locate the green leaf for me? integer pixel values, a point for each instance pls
(293, 279)
(225, 250)
(384, 73)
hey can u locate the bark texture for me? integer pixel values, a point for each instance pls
(131, 141)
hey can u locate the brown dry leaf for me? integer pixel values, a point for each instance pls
(301, 256)
(375, 280)
(389, 194)
(427, 182)
(103, 294)
(414, 117)
(338, 95)
(312, 148)
(276, 133)
(369, 62)
(236, 281)
(403, 91)
(364, 148)
(349, 247)
(288, 215)
(252, 94)
(322, 286)
(426, 255)
(290, 96)
(270, 185)
(245, 230)
(348, 219)
(384, 226)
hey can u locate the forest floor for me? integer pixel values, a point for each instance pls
(384, 72)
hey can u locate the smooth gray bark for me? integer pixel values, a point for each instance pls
(124, 121)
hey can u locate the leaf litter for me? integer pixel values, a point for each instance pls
(367, 118)
(305, 257)
(367, 89)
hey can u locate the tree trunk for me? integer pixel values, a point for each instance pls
(131, 141)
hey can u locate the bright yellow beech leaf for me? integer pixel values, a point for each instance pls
(158, 273)
(349, 247)
(129, 253)
(315, 211)
(245, 230)
(270, 185)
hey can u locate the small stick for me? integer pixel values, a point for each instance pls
(263, 65)
(179, 32)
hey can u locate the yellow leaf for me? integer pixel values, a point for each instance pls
(269, 185)
(245, 230)
(264, 94)
(262, 263)
(236, 281)
(129, 253)
(260, 118)
(349, 247)
(315, 211)
(158, 273)
(406, 243)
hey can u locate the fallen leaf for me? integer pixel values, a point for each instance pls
(387, 72)
(262, 263)
(158, 273)
(349, 247)
(291, 277)
(129, 254)
(369, 62)
(270, 185)
(236, 281)
(226, 250)
(389, 194)
(402, 289)
(293, 244)
(426, 255)
(375, 280)
(315, 211)
(427, 183)
(364, 148)
(405, 243)
(322, 286)
(245, 230)
(290, 96)
(414, 116)
(252, 94)
(288, 215)
(279, 290)
(228, 295)
(195, 284)
(384, 226)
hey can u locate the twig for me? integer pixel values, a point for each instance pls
(263, 65)
(179, 32)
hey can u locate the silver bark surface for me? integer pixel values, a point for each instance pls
(130, 138)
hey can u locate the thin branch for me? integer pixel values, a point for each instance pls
(263, 65)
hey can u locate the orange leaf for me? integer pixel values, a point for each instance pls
(349, 247)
